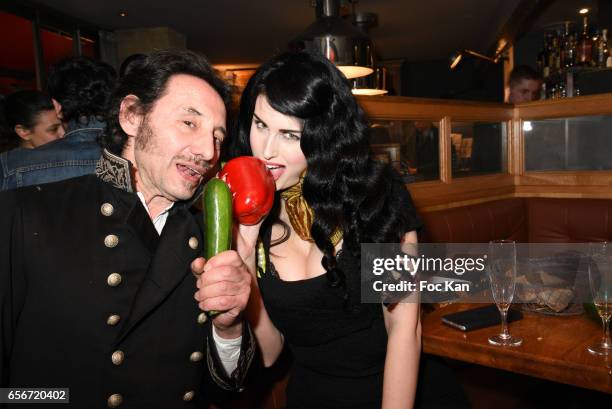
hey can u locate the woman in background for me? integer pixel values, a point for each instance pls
(299, 116)
(28, 120)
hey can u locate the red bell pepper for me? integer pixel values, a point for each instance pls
(252, 188)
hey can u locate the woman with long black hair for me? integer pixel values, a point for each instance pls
(298, 115)
(28, 120)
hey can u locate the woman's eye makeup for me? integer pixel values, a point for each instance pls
(259, 124)
(290, 135)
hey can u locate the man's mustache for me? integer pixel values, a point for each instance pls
(197, 160)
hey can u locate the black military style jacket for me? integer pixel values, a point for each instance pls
(93, 299)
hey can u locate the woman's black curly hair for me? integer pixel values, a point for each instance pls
(82, 86)
(345, 187)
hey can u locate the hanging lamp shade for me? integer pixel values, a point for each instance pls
(336, 39)
(375, 83)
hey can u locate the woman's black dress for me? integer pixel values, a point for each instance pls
(339, 353)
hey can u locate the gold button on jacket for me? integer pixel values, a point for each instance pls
(114, 400)
(118, 357)
(107, 209)
(111, 241)
(188, 396)
(114, 279)
(196, 356)
(113, 319)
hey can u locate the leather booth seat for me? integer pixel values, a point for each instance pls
(525, 220)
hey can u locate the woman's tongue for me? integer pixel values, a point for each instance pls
(276, 171)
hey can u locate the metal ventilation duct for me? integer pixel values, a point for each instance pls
(336, 39)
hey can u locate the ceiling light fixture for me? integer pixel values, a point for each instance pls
(369, 92)
(334, 38)
(583, 11)
(375, 83)
(457, 57)
(123, 14)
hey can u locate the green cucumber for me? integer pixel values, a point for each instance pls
(217, 206)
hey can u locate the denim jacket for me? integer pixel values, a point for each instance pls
(73, 155)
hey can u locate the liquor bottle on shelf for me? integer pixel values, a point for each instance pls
(562, 90)
(555, 54)
(567, 54)
(546, 59)
(568, 48)
(601, 52)
(550, 91)
(585, 45)
(541, 62)
(607, 52)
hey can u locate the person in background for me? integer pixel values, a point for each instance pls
(487, 156)
(427, 158)
(129, 63)
(79, 89)
(28, 120)
(525, 85)
(427, 151)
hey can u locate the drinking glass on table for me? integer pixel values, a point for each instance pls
(502, 274)
(600, 280)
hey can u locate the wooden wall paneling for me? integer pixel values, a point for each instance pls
(446, 172)
(582, 178)
(584, 184)
(516, 145)
(449, 192)
(581, 184)
(429, 196)
(578, 192)
(600, 104)
(387, 107)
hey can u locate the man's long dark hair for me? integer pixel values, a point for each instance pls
(344, 186)
(148, 80)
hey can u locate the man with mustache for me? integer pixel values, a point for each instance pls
(96, 291)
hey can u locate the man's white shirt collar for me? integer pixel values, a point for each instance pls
(160, 220)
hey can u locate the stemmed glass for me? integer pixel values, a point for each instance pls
(502, 274)
(600, 280)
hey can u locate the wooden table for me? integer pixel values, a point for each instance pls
(553, 348)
